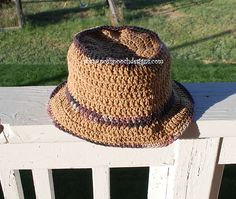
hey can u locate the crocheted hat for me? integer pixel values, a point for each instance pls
(112, 100)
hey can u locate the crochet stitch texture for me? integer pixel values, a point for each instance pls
(120, 104)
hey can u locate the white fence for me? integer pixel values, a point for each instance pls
(191, 168)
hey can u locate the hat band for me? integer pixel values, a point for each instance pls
(109, 120)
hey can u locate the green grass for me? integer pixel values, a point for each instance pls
(33, 74)
(48, 74)
(201, 36)
(8, 15)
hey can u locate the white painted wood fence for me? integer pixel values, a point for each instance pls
(191, 168)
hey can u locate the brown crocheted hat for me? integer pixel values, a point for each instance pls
(112, 100)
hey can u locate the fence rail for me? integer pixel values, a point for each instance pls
(190, 168)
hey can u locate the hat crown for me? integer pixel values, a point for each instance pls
(103, 79)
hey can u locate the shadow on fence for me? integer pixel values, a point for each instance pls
(206, 102)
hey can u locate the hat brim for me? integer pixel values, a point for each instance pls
(160, 133)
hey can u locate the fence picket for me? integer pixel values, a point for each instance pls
(101, 183)
(11, 184)
(43, 183)
(158, 182)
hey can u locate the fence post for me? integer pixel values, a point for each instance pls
(113, 11)
(19, 13)
(194, 168)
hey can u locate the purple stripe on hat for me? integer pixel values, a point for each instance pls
(115, 121)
